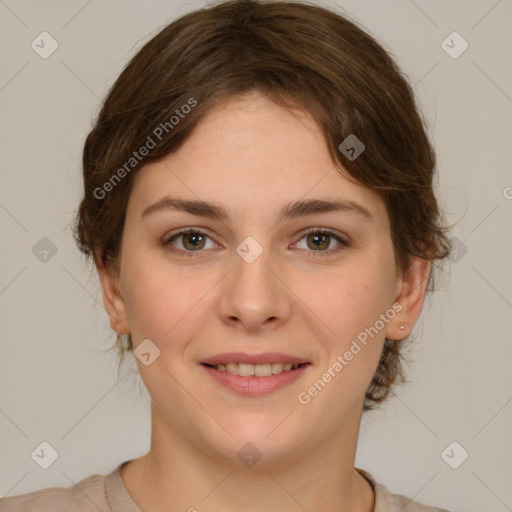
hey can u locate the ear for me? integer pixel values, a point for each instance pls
(112, 298)
(411, 287)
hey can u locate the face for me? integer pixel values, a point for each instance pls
(264, 281)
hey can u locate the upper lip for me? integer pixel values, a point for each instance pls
(242, 357)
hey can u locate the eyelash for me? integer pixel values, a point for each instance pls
(344, 243)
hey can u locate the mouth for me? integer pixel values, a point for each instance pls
(255, 375)
(255, 370)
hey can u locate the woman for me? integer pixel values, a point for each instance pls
(258, 202)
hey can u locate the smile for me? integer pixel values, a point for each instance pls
(253, 376)
(257, 370)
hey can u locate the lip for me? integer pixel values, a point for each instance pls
(255, 386)
(242, 357)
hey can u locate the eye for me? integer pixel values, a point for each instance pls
(318, 240)
(192, 240)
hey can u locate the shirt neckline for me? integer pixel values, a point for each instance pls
(121, 501)
(379, 491)
(118, 497)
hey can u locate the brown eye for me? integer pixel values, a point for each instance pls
(188, 241)
(193, 241)
(319, 242)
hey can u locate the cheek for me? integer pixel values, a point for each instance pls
(350, 305)
(348, 300)
(164, 301)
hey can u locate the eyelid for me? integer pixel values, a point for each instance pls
(329, 231)
(183, 231)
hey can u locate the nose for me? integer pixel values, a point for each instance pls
(255, 296)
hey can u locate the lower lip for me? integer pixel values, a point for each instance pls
(256, 386)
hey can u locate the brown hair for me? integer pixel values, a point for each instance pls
(301, 56)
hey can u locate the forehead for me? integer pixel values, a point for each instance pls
(249, 153)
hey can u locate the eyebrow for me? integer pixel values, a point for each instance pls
(288, 211)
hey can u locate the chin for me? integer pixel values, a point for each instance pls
(263, 441)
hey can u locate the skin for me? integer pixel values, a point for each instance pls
(252, 156)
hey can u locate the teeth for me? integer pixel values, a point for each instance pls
(245, 370)
(232, 368)
(277, 368)
(258, 370)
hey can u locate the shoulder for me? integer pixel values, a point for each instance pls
(84, 496)
(397, 502)
(385, 501)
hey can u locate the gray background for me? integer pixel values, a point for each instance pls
(56, 384)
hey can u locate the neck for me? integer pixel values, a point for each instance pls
(178, 476)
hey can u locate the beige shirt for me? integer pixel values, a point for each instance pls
(98, 493)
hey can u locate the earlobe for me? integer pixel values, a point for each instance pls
(411, 295)
(112, 298)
